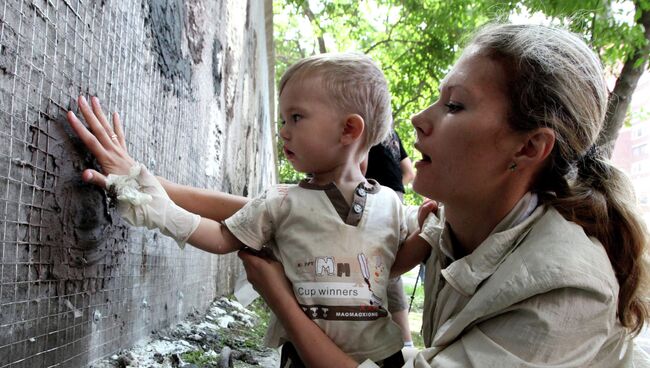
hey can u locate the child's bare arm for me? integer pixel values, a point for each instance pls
(214, 237)
(210, 204)
(413, 251)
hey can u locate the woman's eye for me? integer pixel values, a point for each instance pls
(453, 107)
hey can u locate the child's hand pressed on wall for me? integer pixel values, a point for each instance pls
(104, 140)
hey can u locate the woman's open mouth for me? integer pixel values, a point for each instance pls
(425, 160)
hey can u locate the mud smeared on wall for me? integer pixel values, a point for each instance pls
(166, 20)
(191, 82)
(195, 35)
(217, 60)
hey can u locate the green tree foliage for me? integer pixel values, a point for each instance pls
(417, 41)
(620, 32)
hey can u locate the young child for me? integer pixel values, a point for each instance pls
(336, 233)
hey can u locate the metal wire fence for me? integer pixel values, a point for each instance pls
(76, 282)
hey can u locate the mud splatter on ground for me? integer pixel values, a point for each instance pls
(226, 335)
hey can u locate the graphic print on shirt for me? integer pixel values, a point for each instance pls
(306, 267)
(365, 271)
(324, 265)
(379, 268)
(341, 289)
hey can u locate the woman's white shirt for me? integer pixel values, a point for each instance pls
(536, 293)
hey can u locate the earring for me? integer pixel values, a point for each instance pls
(512, 167)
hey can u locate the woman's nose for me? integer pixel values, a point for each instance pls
(422, 122)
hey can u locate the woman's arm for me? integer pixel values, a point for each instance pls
(211, 204)
(314, 346)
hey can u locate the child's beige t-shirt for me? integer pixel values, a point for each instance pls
(337, 257)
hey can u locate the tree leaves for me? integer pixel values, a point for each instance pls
(417, 41)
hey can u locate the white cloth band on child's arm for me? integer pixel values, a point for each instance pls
(142, 201)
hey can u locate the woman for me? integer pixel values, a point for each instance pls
(536, 255)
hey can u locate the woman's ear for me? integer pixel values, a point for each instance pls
(535, 149)
(353, 128)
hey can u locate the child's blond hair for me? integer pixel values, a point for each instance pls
(355, 84)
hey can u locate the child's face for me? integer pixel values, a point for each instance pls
(312, 126)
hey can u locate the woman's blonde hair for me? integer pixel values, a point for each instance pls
(355, 84)
(555, 80)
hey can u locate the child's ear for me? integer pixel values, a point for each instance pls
(352, 129)
(535, 149)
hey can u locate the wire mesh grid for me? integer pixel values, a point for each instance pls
(76, 283)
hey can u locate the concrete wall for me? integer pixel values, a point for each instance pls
(194, 87)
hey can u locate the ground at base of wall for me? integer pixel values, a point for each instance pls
(227, 335)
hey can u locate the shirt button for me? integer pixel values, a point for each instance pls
(361, 192)
(357, 208)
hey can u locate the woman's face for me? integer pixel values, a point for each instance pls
(464, 137)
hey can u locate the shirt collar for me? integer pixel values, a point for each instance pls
(350, 214)
(467, 273)
(372, 186)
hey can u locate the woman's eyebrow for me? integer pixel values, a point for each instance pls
(451, 87)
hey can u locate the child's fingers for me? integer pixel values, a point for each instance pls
(117, 126)
(426, 208)
(89, 140)
(94, 177)
(431, 205)
(95, 126)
